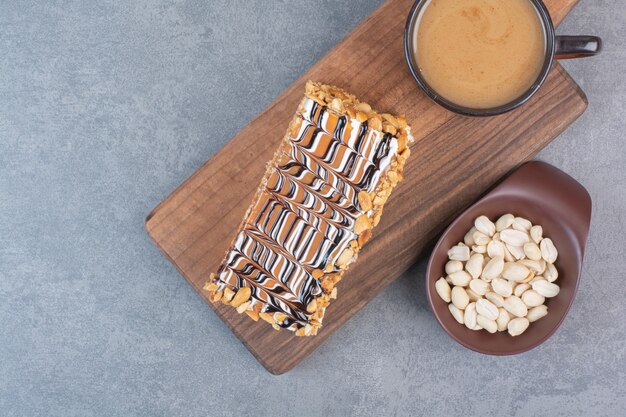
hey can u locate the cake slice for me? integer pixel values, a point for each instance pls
(320, 198)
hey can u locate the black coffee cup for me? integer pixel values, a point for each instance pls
(557, 47)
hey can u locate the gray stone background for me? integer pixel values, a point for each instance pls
(106, 107)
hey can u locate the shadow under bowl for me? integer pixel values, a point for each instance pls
(548, 197)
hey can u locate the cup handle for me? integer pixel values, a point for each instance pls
(568, 47)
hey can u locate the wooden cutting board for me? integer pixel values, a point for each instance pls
(454, 160)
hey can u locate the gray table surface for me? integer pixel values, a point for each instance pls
(106, 107)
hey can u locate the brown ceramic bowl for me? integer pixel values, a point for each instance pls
(545, 196)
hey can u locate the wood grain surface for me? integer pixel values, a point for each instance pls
(454, 160)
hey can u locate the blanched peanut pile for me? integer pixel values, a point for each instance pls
(499, 277)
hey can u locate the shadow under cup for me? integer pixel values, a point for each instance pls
(556, 47)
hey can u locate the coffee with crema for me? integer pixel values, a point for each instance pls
(480, 53)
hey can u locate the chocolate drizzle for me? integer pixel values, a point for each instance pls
(304, 213)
